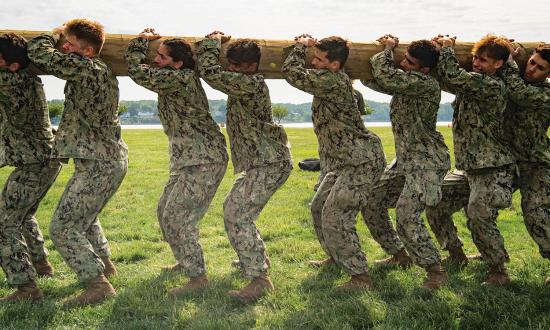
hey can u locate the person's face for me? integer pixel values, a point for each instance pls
(246, 68)
(3, 63)
(73, 45)
(482, 63)
(163, 59)
(320, 61)
(13, 67)
(410, 63)
(536, 69)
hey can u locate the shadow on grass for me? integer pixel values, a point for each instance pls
(147, 305)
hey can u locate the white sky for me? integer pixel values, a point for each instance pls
(357, 20)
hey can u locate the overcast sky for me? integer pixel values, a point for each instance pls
(356, 20)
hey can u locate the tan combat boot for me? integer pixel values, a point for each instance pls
(400, 259)
(436, 277)
(254, 290)
(43, 268)
(358, 282)
(497, 276)
(457, 257)
(97, 291)
(322, 263)
(110, 269)
(195, 284)
(176, 268)
(237, 263)
(27, 291)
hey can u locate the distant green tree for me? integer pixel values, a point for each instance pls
(55, 109)
(279, 112)
(368, 109)
(122, 108)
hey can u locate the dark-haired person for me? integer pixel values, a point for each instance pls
(259, 151)
(26, 141)
(351, 155)
(198, 156)
(480, 150)
(422, 157)
(527, 120)
(89, 132)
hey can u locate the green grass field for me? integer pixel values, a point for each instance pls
(304, 297)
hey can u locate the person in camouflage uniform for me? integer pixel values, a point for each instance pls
(198, 156)
(422, 158)
(351, 155)
(26, 140)
(527, 120)
(259, 151)
(90, 133)
(478, 140)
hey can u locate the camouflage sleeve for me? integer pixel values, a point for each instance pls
(520, 92)
(43, 54)
(455, 78)
(394, 80)
(316, 82)
(155, 79)
(231, 83)
(375, 86)
(360, 101)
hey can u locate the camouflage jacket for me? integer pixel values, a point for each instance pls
(528, 117)
(478, 118)
(343, 138)
(194, 137)
(25, 130)
(413, 113)
(254, 139)
(89, 127)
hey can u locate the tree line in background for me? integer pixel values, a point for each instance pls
(145, 112)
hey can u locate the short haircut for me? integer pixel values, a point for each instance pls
(244, 51)
(337, 49)
(544, 51)
(425, 52)
(88, 31)
(497, 48)
(180, 50)
(13, 49)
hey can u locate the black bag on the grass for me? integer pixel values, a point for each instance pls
(310, 164)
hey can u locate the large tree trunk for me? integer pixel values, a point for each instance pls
(273, 53)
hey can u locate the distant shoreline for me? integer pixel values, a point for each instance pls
(287, 125)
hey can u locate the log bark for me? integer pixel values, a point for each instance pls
(274, 52)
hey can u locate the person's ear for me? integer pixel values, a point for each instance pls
(14, 67)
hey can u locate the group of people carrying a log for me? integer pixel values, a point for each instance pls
(500, 124)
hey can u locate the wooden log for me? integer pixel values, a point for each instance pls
(274, 52)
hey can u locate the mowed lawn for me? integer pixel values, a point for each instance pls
(304, 298)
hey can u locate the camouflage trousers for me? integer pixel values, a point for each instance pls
(334, 209)
(455, 195)
(409, 193)
(422, 187)
(93, 183)
(184, 202)
(22, 193)
(383, 196)
(242, 206)
(534, 184)
(490, 190)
